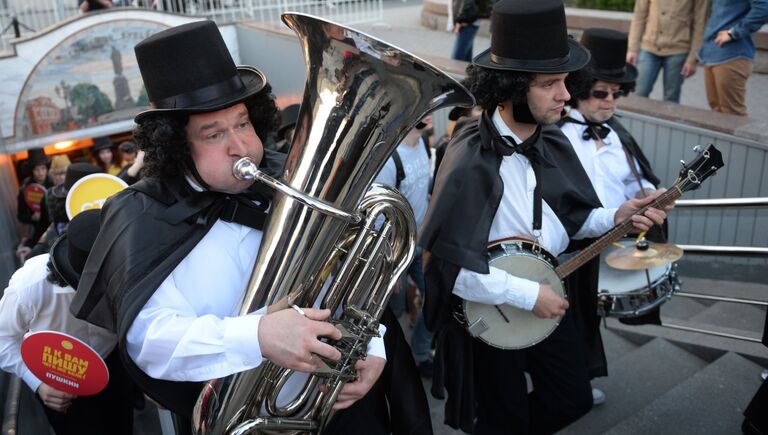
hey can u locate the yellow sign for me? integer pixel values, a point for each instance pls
(91, 192)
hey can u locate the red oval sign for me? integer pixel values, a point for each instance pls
(33, 196)
(64, 363)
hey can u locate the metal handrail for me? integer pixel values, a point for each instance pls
(722, 299)
(721, 203)
(724, 250)
(709, 332)
(750, 251)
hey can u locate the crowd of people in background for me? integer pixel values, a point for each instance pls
(47, 180)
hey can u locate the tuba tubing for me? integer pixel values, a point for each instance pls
(361, 97)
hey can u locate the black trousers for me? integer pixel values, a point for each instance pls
(561, 391)
(109, 412)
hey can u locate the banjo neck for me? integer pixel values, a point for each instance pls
(614, 234)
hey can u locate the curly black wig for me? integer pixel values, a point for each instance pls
(493, 87)
(579, 84)
(164, 138)
(57, 208)
(54, 277)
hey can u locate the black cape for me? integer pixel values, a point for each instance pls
(468, 190)
(147, 230)
(632, 146)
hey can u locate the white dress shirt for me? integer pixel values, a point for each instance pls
(606, 166)
(31, 304)
(190, 330)
(514, 218)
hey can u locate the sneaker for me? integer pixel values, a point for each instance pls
(426, 368)
(598, 397)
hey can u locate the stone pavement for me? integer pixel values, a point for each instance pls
(401, 26)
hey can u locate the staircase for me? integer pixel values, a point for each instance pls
(666, 381)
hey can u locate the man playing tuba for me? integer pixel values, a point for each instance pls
(174, 256)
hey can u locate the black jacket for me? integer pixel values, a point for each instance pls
(465, 11)
(457, 236)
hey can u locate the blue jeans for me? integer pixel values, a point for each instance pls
(421, 339)
(649, 65)
(462, 45)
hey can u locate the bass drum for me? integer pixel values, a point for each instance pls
(632, 293)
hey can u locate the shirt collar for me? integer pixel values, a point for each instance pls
(58, 290)
(575, 114)
(502, 127)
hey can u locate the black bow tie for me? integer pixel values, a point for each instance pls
(594, 130)
(205, 207)
(526, 148)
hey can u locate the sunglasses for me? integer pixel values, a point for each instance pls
(602, 94)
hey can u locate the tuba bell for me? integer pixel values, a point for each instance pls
(328, 224)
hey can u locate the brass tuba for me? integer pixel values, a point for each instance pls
(360, 99)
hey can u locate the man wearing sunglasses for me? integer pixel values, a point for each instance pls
(603, 145)
(615, 164)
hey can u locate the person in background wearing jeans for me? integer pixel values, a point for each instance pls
(408, 171)
(665, 34)
(729, 51)
(465, 14)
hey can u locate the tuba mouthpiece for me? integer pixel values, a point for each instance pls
(245, 169)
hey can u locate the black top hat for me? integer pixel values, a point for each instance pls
(101, 142)
(36, 157)
(609, 50)
(531, 36)
(288, 117)
(75, 171)
(71, 249)
(127, 147)
(188, 69)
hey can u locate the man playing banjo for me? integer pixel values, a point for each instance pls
(516, 175)
(605, 149)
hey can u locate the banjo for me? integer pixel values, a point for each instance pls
(507, 327)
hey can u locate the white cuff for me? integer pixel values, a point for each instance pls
(31, 380)
(376, 345)
(496, 287)
(599, 221)
(242, 334)
(524, 295)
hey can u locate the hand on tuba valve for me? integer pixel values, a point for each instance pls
(290, 340)
(368, 371)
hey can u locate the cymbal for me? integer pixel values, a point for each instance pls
(643, 256)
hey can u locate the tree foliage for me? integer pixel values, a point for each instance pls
(89, 102)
